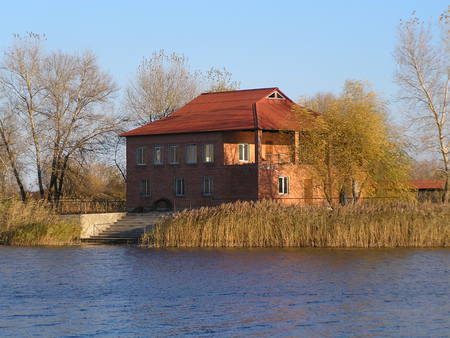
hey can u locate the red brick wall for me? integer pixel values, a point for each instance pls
(298, 186)
(230, 182)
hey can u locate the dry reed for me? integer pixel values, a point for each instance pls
(270, 224)
(34, 223)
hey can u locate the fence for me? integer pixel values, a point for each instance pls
(89, 206)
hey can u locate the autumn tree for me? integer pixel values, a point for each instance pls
(350, 145)
(423, 75)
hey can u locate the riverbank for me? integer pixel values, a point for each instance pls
(270, 224)
(34, 223)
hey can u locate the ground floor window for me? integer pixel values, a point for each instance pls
(207, 186)
(283, 185)
(144, 187)
(179, 187)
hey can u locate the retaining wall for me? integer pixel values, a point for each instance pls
(91, 224)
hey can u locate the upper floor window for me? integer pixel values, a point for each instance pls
(140, 155)
(191, 153)
(157, 155)
(275, 95)
(208, 153)
(173, 154)
(207, 186)
(283, 185)
(244, 152)
(179, 186)
(144, 187)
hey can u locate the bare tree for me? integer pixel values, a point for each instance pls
(423, 75)
(77, 96)
(163, 84)
(20, 82)
(63, 104)
(10, 147)
(220, 80)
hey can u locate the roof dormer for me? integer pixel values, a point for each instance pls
(275, 95)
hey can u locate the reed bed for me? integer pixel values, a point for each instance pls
(34, 223)
(270, 224)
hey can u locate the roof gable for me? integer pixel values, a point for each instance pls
(234, 110)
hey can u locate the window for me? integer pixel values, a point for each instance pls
(244, 152)
(173, 154)
(179, 187)
(140, 156)
(283, 185)
(208, 153)
(144, 187)
(275, 95)
(191, 153)
(157, 155)
(207, 186)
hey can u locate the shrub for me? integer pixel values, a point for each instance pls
(34, 223)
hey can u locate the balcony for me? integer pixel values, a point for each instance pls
(277, 159)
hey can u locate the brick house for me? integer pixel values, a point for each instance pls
(227, 146)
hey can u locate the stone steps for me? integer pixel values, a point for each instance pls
(127, 230)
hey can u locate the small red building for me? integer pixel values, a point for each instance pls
(220, 147)
(428, 190)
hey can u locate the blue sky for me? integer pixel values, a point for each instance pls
(300, 46)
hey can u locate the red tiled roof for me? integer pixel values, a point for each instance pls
(428, 184)
(234, 110)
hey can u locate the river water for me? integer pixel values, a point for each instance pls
(126, 291)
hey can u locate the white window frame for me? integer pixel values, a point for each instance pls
(183, 191)
(161, 160)
(283, 185)
(208, 182)
(245, 151)
(194, 146)
(212, 150)
(140, 155)
(144, 187)
(175, 148)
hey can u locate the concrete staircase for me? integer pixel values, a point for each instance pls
(126, 230)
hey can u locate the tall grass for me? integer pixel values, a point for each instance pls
(34, 223)
(270, 224)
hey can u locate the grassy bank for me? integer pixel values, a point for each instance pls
(269, 224)
(34, 223)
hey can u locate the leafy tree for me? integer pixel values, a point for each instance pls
(350, 145)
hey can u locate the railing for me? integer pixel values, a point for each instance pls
(276, 159)
(67, 206)
(97, 228)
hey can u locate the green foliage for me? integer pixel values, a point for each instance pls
(271, 224)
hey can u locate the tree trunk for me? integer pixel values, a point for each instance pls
(12, 162)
